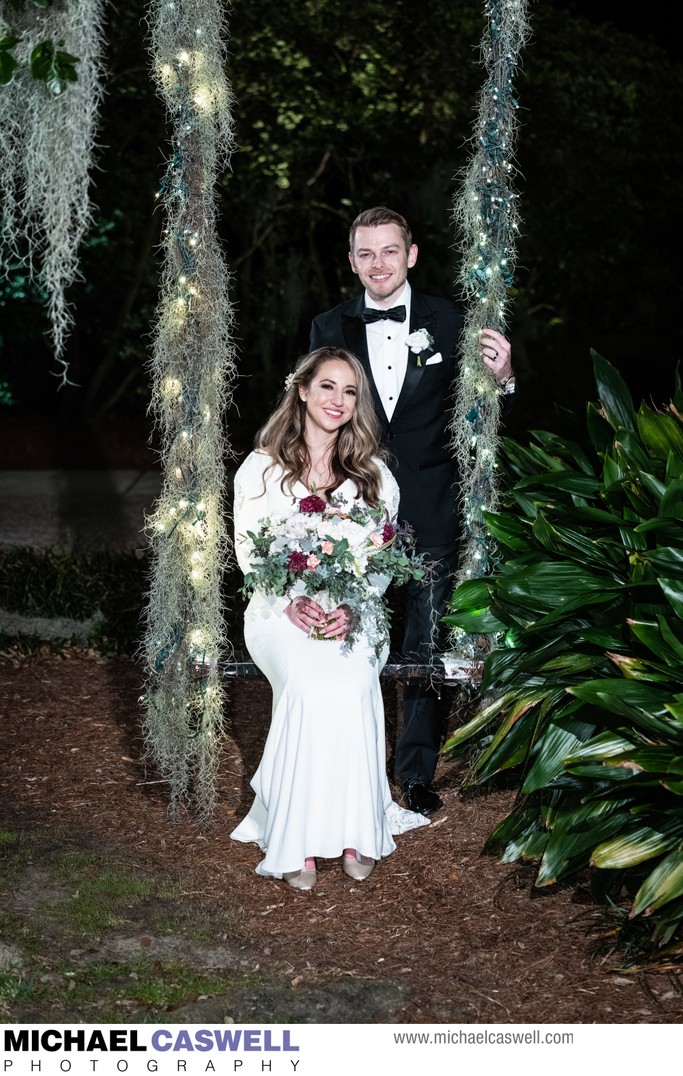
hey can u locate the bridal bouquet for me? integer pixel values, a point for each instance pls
(339, 554)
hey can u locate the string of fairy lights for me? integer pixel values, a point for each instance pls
(485, 212)
(193, 371)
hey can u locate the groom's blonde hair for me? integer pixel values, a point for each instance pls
(372, 218)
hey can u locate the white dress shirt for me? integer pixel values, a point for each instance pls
(388, 351)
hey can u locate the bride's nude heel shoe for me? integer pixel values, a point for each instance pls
(358, 867)
(304, 879)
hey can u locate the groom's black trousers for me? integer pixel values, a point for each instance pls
(424, 712)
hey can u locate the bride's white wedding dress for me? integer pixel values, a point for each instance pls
(321, 785)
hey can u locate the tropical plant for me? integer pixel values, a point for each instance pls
(582, 700)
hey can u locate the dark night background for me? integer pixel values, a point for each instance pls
(336, 112)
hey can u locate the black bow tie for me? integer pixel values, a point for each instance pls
(395, 313)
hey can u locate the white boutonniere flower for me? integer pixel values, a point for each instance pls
(418, 342)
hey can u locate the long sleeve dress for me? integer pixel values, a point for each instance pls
(321, 785)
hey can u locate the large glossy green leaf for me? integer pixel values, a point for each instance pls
(616, 400)
(575, 835)
(674, 467)
(672, 634)
(666, 530)
(549, 584)
(570, 663)
(676, 709)
(516, 734)
(661, 433)
(666, 561)
(671, 503)
(655, 486)
(519, 459)
(603, 746)
(641, 703)
(633, 668)
(469, 608)
(531, 846)
(632, 456)
(650, 633)
(508, 530)
(629, 849)
(549, 755)
(599, 429)
(665, 883)
(673, 589)
(477, 723)
(567, 481)
(660, 759)
(569, 451)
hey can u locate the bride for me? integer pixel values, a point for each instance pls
(321, 788)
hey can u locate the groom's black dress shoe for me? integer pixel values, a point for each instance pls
(419, 797)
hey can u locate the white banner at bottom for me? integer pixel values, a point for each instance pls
(329, 1049)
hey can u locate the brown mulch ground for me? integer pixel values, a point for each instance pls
(441, 932)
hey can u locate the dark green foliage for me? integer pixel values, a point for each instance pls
(330, 117)
(77, 586)
(8, 64)
(583, 698)
(55, 67)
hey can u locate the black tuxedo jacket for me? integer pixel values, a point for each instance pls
(416, 435)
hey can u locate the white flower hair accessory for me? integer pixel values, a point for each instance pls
(418, 342)
(288, 382)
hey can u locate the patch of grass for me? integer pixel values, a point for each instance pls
(107, 894)
(150, 986)
(30, 941)
(15, 988)
(15, 852)
(70, 863)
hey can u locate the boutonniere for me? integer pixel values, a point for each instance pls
(418, 342)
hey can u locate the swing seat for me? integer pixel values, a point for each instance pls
(446, 670)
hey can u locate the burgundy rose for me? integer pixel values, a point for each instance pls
(297, 562)
(388, 533)
(312, 504)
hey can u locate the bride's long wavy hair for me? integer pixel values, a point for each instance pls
(282, 437)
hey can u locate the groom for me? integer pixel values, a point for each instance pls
(407, 343)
